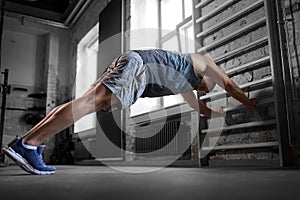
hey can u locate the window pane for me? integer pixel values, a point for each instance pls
(187, 38)
(144, 34)
(144, 24)
(171, 13)
(144, 14)
(171, 44)
(188, 8)
(86, 73)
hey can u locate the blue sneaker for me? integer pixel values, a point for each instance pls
(28, 159)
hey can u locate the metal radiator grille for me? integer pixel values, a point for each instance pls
(155, 139)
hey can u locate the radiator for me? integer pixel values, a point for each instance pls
(155, 139)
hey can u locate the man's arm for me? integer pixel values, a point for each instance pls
(199, 106)
(221, 78)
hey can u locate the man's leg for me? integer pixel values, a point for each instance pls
(95, 99)
(48, 116)
(27, 152)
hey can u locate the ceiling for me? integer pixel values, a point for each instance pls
(61, 11)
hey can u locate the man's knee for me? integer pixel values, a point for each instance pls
(100, 98)
(101, 103)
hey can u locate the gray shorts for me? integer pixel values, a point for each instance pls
(126, 78)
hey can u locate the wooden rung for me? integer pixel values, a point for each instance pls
(241, 126)
(266, 80)
(241, 146)
(249, 66)
(260, 102)
(203, 3)
(216, 11)
(237, 34)
(231, 19)
(241, 50)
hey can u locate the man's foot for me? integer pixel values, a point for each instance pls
(29, 158)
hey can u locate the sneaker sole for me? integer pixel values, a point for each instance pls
(22, 163)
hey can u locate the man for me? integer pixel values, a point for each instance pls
(134, 74)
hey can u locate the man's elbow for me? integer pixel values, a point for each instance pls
(229, 85)
(192, 105)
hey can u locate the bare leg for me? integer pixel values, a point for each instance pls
(41, 122)
(49, 115)
(95, 99)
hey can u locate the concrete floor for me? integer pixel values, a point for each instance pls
(95, 182)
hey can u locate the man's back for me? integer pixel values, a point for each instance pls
(168, 72)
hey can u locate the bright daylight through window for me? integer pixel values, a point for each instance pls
(171, 29)
(86, 72)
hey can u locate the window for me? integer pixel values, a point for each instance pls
(171, 14)
(86, 72)
(144, 24)
(165, 24)
(177, 34)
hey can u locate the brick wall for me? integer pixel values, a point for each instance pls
(19, 104)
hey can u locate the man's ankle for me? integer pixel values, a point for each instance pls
(30, 142)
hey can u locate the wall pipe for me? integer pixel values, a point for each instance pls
(74, 11)
(80, 12)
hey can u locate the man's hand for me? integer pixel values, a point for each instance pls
(252, 103)
(219, 112)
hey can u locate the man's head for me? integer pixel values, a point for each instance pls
(206, 84)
